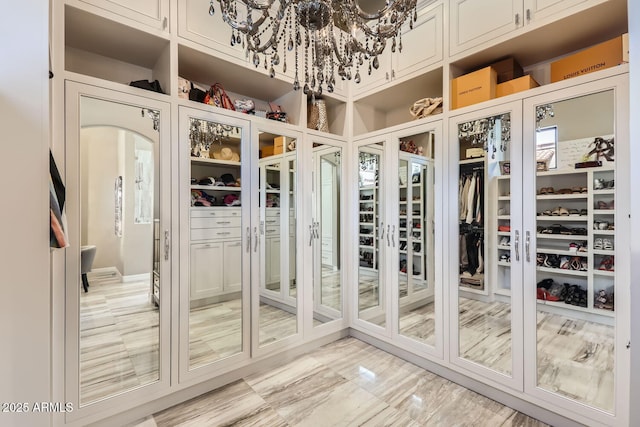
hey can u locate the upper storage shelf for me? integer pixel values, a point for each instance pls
(541, 41)
(98, 47)
(390, 106)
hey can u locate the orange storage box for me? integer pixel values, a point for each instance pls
(472, 88)
(595, 58)
(515, 85)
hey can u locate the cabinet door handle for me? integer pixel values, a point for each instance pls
(517, 19)
(517, 245)
(255, 235)
(310, 234)
(166, 245)
(393, 236)
(393, 74)
(388, 228)
(382, 231)
(317, 228)
(528, 15)
(528, 246)
(164, 23)
(248, 239)
(387, 75)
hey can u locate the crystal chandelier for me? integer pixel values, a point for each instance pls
(330, 38)
(202, 133)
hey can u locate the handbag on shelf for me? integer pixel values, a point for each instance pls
(147, 85)
(317, 115)
(218, 96)
(276, 113)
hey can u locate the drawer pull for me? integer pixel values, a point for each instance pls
(223, 222)
(223, 233)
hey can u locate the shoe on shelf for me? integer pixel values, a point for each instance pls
(565, 263)
(505, 241)
(598, 184)
(598, 243)
(607, 244)
(607, 264)
(540, 259)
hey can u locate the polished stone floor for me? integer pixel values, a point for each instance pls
(119, 341)
(119, 337)
(345, 383)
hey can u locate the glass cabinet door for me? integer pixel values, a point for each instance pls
(277, 307)
(218, 238)
(572, 157)
(374, 238)
(487, 244)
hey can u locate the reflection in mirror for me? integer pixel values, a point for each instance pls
(372, 231)
(576, 250)
(484, 305)
(215, 250)
(416, 275)
(119, 204)
(325, 234)
(278, 307)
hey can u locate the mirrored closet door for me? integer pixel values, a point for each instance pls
(276, 306)
(324, 234)
(415, 267)
(575, 153)
(486, 250)
(118, 202)
(217, 239)
(374, 234)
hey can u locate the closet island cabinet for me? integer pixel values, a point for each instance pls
(539, 226)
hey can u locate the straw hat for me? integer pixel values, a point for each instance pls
(226, 154)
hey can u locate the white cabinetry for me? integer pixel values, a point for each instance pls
(195, 24)
(215, 250)
(421, 47)
(153, 13)
(478, 22)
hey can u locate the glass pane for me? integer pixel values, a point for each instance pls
(215, 252)
(119, 205)
(325, 234)
(575, 249)
(416, 275)
(484, 192)
(277, 314)
(370, 286)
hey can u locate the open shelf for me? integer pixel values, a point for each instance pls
(390, 106)
(98, 47)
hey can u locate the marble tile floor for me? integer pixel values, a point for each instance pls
(119, 337)
(345, 383)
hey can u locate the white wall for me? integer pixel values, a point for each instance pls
(634, 114)
(25, 313)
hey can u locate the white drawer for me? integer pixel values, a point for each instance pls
(269, 221)
(216, 222)
(272, 231)
(215, 233)
(215, 212)
(272, 212)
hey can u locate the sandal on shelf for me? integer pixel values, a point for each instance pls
(606, 264)
(574, 212)
(598, 184)
(576, 190)
(598, 243)
(607, 244)
(579, 231)
(583, 212)
(564, 191)
(566, 263)
(601, 205)
(540, 259)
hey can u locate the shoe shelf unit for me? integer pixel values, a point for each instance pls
(413, 230)
(574, 217)
(368, 212)
(503, 247)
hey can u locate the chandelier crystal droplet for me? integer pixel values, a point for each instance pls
(338, 35)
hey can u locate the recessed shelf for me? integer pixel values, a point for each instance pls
(563, 271)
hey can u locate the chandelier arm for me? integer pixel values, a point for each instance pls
(393, 5)
(255, 5)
